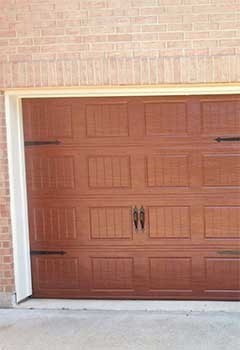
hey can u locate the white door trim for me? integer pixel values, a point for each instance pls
(18, 198)
(159, 90)
(16, 160)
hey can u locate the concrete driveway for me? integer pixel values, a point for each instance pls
(117, 330)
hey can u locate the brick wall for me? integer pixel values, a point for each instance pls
(110, 42)
(6, 259)
(54, 42)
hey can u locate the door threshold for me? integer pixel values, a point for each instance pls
(131, 305)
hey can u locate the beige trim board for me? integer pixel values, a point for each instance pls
(144, 90)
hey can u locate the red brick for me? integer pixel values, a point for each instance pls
(154, 28)
(205, 43)
(119, 37)
(144, 19)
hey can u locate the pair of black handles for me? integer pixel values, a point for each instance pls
(139, 216)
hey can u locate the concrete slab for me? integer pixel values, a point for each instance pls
(117, 330)
(128, 305)
(6, 299)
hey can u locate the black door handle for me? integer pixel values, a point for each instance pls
(135, 217)
(142, 218)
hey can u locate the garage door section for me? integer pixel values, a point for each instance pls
(134, 197)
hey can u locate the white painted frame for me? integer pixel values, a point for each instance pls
(16, 160)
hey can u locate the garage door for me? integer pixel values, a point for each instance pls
(134, 198)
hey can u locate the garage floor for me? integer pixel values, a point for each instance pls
(118, 330)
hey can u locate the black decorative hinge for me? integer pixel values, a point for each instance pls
(220, 139)
(47, 252)
(40, 143)
(229, 252)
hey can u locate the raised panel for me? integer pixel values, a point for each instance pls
(170, 273)
(112, 273)
(222, 222)
(220, 117)
(166, 118)
(53, 223)
(169, 222)
(111, 223)
(60, 121)
(221, 170)
(168, 171)
(51, 172)
(104, 120)
(47, 120)
(57, 273)
(222, 274)
(109, 171)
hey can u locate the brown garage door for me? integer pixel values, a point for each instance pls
(150, 162)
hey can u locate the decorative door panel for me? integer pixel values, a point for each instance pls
(77, 171)
(222, 222)
(166, 118)
(47, 119)
(104, 171)
(172, 222)
(191, 171)
(186, 220)
(221, 170)
(171, 170)
(56, 272)
(167, 222)
(220, 115)
(107, 121)
(109, 171)
(51, 171)
(222, 275)
(53, 224)
(168, 170)
(79, 223)
(175, 272)
(146, 273)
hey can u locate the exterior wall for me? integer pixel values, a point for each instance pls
(55, 43)
(6, 259)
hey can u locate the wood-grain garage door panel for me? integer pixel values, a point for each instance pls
(220, 116)
(166, 118)
(110, 273)
(222, 221)
(169, 222)
(56, 273)
(159, 153)
(107, 119)
(168, 171)
(48, 119)
(111, 222)
(222, 274)
(170, 274)
(51, 173)
(109, 171)
(221, 170)
(53, 223)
